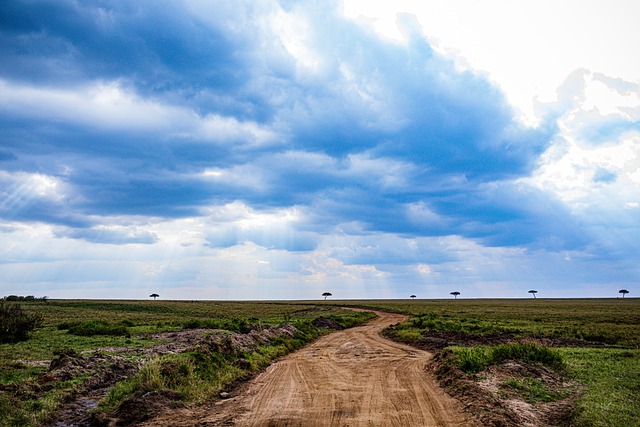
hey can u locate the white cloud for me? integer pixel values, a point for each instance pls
(527, 48)
(107, 105)
(386, 173)
(421, 214)
(592, 163)
(236, 223)
(111, 234)
(20, 190)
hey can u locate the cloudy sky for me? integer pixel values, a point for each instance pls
(280, 149)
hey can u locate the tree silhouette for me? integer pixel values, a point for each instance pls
(533, 292)
(623, 292)
(412, 296)
(326, 294)
(455, 294)
(154, 296)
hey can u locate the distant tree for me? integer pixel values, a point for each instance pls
(154, 296)
(412, 296)
(455, 294)
(22, 298)
(327, 294)
(533, 292)
(623, 292)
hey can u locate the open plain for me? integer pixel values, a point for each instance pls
(315, 363)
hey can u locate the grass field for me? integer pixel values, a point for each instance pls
(613, 322)
(606, 362)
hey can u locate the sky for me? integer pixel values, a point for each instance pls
(279, 149)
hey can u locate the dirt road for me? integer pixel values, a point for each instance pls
(349, 378)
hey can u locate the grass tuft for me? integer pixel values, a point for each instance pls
(475, 359)
(96, 327)
(534, 390)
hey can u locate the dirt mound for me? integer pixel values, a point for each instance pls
(502, 395)
(105, 367)
(102, 371)
(219, 341)
(137, 409)
(324, 323)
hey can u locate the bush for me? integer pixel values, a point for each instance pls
(474, 359)
(95, 327)
(527, 352)
(234, 324)
(15, 323)
(28, 298)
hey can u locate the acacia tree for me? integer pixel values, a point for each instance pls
(154, 296)
(326, 294)
(533, 292)
(623, 292)
(455, 294)
(412, 296)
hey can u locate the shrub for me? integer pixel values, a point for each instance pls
(527, 352)
(474, 359)
(15, 323)
(234, 324)
(95, 327)
(28, 298)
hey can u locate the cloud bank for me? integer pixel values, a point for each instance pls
(202, 150)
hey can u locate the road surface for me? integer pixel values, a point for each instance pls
(353, 377)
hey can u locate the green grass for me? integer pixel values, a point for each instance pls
(193, 377)
(97, 327)
(172, 313)
(611, 380)
(475, 359)
(610, 322)
(533, 390)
